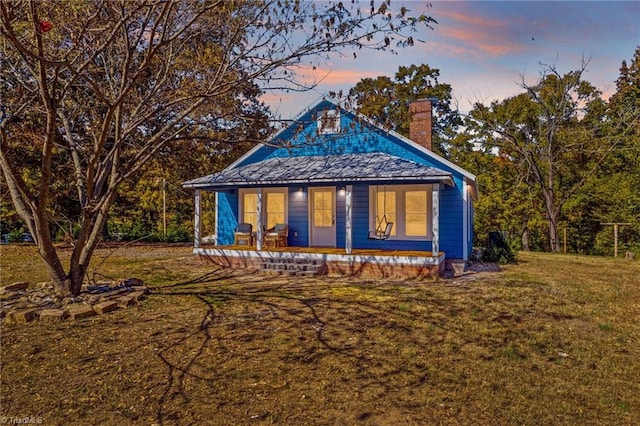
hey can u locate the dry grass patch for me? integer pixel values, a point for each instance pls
(553, 340)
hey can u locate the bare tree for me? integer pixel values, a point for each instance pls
(554, 133)
(95, 89)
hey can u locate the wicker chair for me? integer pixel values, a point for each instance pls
(244, 234)
(277, 236)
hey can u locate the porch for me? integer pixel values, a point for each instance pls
(370, 263)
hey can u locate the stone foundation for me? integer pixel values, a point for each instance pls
(396, 267)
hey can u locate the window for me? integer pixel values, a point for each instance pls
(274, 207)
(415, 213)
(323, 209)
(385, 209)
(250, 209)
(407, 206)
(329, 122)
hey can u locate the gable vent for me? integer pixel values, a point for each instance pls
(329, 122)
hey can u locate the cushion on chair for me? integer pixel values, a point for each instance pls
(244, 228)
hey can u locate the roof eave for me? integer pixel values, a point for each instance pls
(444, 179)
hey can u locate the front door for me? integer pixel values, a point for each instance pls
(323, 216)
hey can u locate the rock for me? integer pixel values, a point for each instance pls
(130, 282)
(124, 301)
(143, 289)
(80, 311)
(53, 315)
(137, 296)
(105, 307)
(458, 268)
(21, 285)
(24, 316)
(9, 295)
(37, 296)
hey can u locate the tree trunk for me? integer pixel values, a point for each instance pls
(552, 217)
(525, 238)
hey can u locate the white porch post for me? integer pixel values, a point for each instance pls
(215, 220)
(435, 219)
(348, 199)
(196, 220)
(259, 224)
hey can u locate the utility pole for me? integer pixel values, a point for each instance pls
(615, 235)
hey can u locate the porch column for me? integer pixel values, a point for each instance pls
(349, 218)
(435, 220)
(259, 223)
(196, 220)
(215, 219)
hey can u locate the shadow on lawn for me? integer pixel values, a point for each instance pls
(304, 308)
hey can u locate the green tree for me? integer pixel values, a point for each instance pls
(102, 87)
(612, 194)
(387, 101)
(553, 133)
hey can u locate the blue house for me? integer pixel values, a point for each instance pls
(354, 197)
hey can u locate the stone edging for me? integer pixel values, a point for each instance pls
(21, 305)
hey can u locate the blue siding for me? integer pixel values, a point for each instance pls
(451, 223)
(298, 217)
(227, 217)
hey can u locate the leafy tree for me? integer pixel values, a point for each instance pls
(553, 133)
(97, 89)
(612, 193)
(387, 101)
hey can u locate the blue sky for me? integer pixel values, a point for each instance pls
(485, 48)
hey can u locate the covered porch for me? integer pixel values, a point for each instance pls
(331, 206)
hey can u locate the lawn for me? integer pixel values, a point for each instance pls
(554, 339)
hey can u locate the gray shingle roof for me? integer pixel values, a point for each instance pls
(370, 167)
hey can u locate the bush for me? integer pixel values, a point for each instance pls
(498, 250)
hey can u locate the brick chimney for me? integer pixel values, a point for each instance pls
(420, 123)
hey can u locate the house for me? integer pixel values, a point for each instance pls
(337, 180)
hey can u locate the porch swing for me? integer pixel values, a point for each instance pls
(383, 226)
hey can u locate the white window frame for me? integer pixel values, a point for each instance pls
(329, 122)
(265, 191)
(400, 225)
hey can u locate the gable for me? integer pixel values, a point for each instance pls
(306, 137)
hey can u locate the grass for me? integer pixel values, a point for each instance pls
(552, 340)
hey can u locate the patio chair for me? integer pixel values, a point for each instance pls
(244, 234)
(277, 236)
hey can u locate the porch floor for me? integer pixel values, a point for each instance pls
(327, 250)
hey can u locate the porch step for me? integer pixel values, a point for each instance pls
(293, 267)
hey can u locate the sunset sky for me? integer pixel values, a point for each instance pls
(485, 48)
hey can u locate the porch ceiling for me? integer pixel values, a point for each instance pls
(369, 167)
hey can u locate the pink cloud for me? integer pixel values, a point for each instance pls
(334, 77)
(470, 33)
